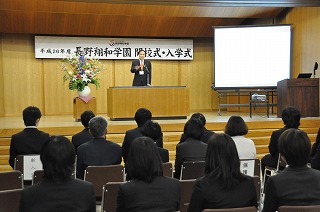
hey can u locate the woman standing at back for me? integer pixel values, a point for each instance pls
(223, 186)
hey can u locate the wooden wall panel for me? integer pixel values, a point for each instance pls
(2, 111)
(22, 74)
(198, 75)
(306, 42)
(39, 81)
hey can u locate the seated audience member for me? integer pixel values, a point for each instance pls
(291, 119)
(142, 116)
(315, 153)
(83, 136)
(99, 151)
(58, 191)
(206, 133)
(148, 190)
(223, 186)
(297, 184)
(315, 145)
(192, 149)
(237, 128)
(153, 130)
(30, 140)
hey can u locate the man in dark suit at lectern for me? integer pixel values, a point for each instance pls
(142, 70)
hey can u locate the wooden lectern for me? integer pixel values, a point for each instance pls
(302, 94)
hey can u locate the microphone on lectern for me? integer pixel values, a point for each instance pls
(314, 69)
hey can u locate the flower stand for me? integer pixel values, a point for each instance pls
(80, 105)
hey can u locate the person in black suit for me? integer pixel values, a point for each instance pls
(291, 119)
(206, 133)
(30, 140)
(153, 130)
(142, 70)
(192, 149)
(315, 153)
(58, 191)
(148, 190)
(141, 116)
(83, 136)
(297, 184)
(99, 151)
(223, 186)
(315, 145)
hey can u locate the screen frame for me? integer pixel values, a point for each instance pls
(214, 87)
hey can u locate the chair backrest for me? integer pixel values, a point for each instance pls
(192, 170)
(244, 209)
(109, 196)
(100, 175)
(250, 167)
(186, 191)
(11, 180)
(27, 164)
(257, 185)
(37, 176)
(167, 169)
(308, 208)
(10, 200)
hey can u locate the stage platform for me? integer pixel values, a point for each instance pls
(260, 129)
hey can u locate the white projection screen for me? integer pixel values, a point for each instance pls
(251, 56)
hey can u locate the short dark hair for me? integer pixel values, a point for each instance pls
(30, 115)
(236, 126)
(153, 130)
(85, 117)
(142, 116)
(291, 117)
(295, 146)
(222, 161)
(98, 126)
(199, 116)
(144, 161)
(141, 50)
(193, 129)
(58, 158)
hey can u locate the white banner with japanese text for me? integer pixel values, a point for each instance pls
(113, 48)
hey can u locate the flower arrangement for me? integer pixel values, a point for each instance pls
(81, 71)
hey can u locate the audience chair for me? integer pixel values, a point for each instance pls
(257, 185)
(244, 209)
(27, 164)
(270, 171)
(308, 208)
(100, 175)
(186, 191)
(250, 167)
(11, 180)
(109, 196)
(10, 200)
(37, 176)
(167, 169)
(192, 170)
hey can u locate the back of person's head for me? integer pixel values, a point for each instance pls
(236, 126)
(295, 146)
(30, 115)
(144, 161)
(291, 117)
(142, 116)
(98, 126)
(193, 129)
(152, 130)
(199, 116)
(58, 158)
(222, 161)
(85, 117)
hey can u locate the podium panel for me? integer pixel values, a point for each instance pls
(302, 94)
(162, 101)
